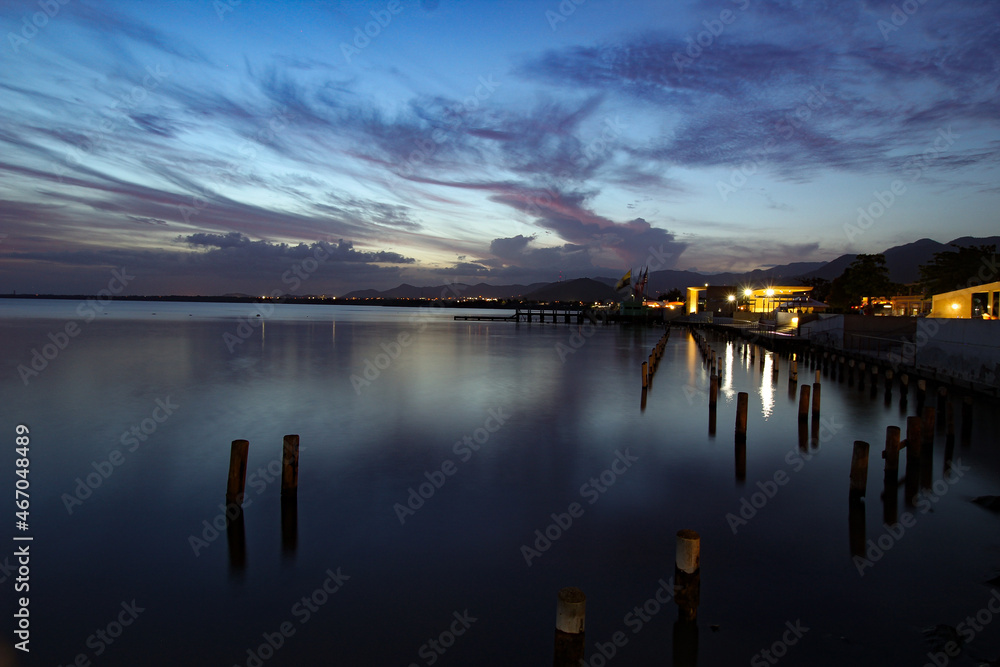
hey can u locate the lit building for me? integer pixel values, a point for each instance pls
(979, 302)
(724, 299)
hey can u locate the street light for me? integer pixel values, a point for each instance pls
(770, 297)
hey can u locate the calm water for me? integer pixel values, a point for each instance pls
(162, 390)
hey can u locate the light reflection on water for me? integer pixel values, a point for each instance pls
(364, 446)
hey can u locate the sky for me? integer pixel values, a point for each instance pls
(212, 147)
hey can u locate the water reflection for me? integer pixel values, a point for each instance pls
(766, 390)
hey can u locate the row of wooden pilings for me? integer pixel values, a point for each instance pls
(918, 444)
(236, 489)
(652, 363)
(571, 612)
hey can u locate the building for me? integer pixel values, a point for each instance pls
(726, 300)
(979, 302)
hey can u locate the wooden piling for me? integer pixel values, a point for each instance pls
(645, 378)
(804, 403)
(713, 391)
(687, 574)
(904, 383)
(742, 400)
(819, 376)
(815, 401)
(289, 464)
(571, 611)
(859, 469)
(966, 419)
(793, 373)
(236, 484)
(927, 427)
(914, 439)
(891, 452)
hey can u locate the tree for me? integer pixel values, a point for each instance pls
(820, 288)
(957, 269)
(867, 276)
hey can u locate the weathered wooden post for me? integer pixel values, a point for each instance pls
(804, 403)
(236, 484)
(904, 384)
(941, 402)
(571, 614)
(819, 376)
(921, 394)
(966, 420)
(859, 469)
(742, 400)
(687, 574)
(713, 391)
(290, 465)
(888, 380)
(914, 438)
(815, 401)
(645, 371)
(890, 493)
(793, 374)
(236, 538)
(927, 427)
(891, 452)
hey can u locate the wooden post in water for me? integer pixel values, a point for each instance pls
(966, 419)
(888, 380)
(927, 427)
(941, 402)
(237, 481)
(804, 403)
(859, 469)
(645, 378)
(793, 374)
(571, 614)
(891, 452)
(890, 483)
(914, 439)
(819, 376)
(713, 391)
(815, 400)
(742, 400)
(687, 574)
(289, 465)
(904, 384)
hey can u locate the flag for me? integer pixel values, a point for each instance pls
(625, 281)
(641, 285)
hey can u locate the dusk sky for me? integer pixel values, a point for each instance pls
(207, 146)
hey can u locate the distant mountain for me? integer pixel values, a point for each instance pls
(903, 262)
(581, 289)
